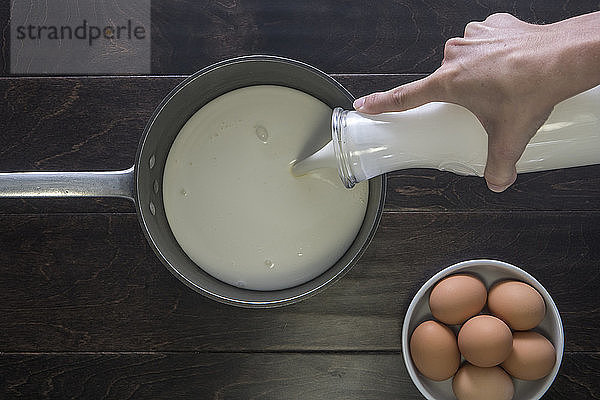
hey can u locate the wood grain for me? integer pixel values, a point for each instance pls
(75, 123)
(371, 36)
(242, 376)
(80, 124)
(90, 283)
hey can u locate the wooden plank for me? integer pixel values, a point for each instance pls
(367, 37)
(4, 38)
(356, 37)
(90, 283)
(75, 123)
(80, 124)
(576, 189)
(242, 376)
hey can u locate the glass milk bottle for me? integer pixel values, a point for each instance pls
(448, 137)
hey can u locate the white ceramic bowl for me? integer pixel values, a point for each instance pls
(490, 272)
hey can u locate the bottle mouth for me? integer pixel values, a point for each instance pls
(338, 123)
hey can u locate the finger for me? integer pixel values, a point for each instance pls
(402, 98)
(472, 28)
(500, 169)
(506, 144)
(500, 19)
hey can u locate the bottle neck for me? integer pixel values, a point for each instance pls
(338, 123)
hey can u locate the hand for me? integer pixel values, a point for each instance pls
(510, 75)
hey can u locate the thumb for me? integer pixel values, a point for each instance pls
(500, 169)
(506, 144)
(402, 98)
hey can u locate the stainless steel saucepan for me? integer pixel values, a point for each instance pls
(142, 183)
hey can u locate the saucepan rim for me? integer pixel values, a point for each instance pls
(378, 184)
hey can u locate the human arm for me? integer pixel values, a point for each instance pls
(510, 75)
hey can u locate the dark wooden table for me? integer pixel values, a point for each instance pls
(87, 310)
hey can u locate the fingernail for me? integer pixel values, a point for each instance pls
(358, 103)
(496, 188)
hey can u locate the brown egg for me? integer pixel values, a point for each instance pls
(485, 341)
(517, 304)
(532, 356)
(456, 298)
(475, 383)
(434, 351)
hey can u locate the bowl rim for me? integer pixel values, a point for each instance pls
(550, 307)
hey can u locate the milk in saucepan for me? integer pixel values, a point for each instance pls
(233, 204)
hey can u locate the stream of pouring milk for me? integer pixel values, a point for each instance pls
(233, 204)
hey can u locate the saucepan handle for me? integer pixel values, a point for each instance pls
(68, 184)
